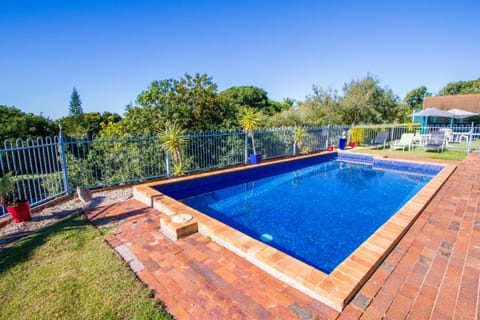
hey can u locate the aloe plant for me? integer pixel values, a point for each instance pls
(250, 120)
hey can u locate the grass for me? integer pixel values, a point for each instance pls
(418, 153)
(67, 271)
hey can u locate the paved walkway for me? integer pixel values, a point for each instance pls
(433, 272)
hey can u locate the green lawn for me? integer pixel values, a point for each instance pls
(419, 153)
(67, 271)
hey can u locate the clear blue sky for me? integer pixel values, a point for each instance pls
(111, 50)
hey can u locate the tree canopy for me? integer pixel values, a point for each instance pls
(191, 101)
(249, 96)
(87, 124)
(415, 97)
(15, 124)
(365, 101)
(194, 103)
(461, 87)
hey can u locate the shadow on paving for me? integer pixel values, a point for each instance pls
(97, 201)
(100, 219)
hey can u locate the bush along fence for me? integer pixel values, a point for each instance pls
(46, 168)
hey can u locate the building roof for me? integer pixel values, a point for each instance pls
(466, 102)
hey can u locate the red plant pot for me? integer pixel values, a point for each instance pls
(20, 212)
(330, 148)
(352, 144)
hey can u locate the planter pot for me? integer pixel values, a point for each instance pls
(352, 144)
(255, 158)
(20, 212)
(330, 148)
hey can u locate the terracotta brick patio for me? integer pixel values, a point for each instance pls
(433, 272)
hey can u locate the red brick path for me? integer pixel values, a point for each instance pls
(432, 273)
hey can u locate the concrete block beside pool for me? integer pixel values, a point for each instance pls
(312, 221)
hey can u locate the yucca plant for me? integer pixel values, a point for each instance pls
(173, 141)
(299, 133)
(250, 120)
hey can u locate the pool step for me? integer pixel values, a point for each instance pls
(176, 230)
(355, 158)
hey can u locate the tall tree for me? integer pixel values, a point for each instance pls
(250, 96)
(191, 101)
(75, 107)
(256, 98)
(319, 108)
(415, 97)
(365, 101)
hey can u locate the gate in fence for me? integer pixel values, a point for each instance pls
(37, 167)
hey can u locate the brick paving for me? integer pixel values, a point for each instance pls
(433, 272)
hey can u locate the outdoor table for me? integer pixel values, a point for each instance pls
(459, 136)
(420, 140)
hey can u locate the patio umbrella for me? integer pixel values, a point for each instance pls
(460, 114)
(434, 112)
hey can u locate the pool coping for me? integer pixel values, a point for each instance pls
(335, 289)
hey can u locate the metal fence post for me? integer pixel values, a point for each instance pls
(470, 138)
(64, 161)
(328, 137)
(167, 162)
(246, 146)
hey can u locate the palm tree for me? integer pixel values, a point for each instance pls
(250, 120)
(173, 141)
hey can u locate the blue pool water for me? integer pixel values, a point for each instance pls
(318, 213)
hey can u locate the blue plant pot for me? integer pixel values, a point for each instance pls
(342, 143)
(255, 158)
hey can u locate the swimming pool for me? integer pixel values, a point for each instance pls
(335, 288)
(318, 214)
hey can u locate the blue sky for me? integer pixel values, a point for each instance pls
(112, 50)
